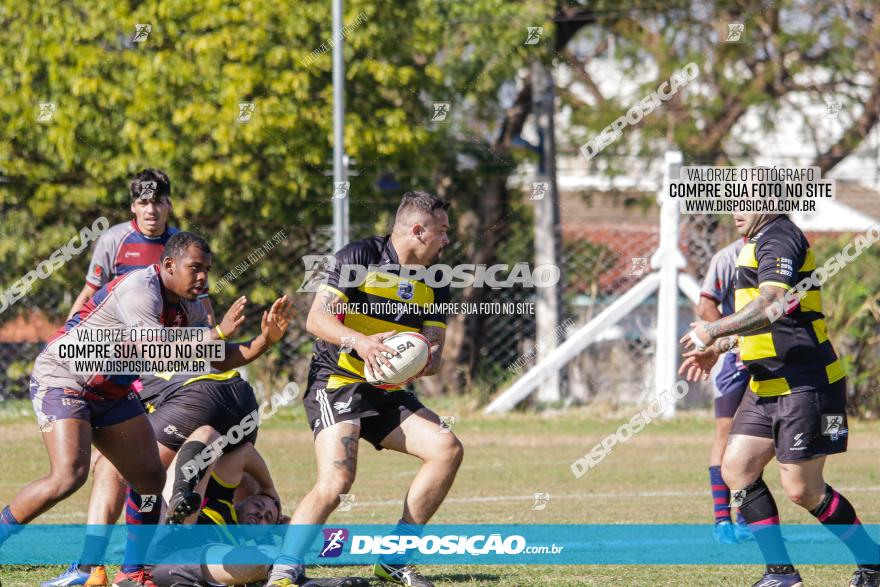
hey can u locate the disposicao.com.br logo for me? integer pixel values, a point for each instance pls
(451, 544)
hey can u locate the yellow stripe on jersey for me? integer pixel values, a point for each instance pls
(746, 257)
(325, 287)
(742, 297)
(770, 387)
(221, 482)
(774, 284)
(821, 330)
(812, 301)
(225, 376)
(432, 323)
(385, 285)
(834, 371)
(809, 262)
(368, 325)
(349, 363)
(756, 346)
(337, 381)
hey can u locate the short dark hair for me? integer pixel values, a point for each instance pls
(137, 187)
(181, 241)
(421, 201)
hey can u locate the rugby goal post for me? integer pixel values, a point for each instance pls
(666, 278)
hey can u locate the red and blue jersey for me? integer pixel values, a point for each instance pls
(122, 249)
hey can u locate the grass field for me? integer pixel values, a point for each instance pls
(659, 476)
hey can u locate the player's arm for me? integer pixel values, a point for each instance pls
(85, 295)
(707, 309)
(272, 329)
(437, 338)
(322, 322)
(256, 467)
(100, 270)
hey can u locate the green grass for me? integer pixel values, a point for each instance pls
(659, 476)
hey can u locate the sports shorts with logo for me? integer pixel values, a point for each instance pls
(380, 411)
(61, 403)
(219, 404)
(803, 425)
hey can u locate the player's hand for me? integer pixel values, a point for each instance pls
(276, 320)
(697, 364)
(433, 350)
(699, 331)
(233, 318)
(371, 349)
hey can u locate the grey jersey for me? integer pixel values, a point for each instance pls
(719, 281)
(130, 300)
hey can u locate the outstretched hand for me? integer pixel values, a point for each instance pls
(276, 320)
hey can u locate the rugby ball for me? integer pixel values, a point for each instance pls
(414, 349)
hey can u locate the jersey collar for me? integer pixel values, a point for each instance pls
(137, 229)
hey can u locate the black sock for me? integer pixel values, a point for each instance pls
(759, 509)
(838, 515)
(187, 471)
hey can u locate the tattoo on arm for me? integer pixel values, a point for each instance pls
(752, 317)
(350, 447)
(435, 336)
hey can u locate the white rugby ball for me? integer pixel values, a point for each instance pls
(414, 352)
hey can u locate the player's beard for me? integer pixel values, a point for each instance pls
(755, 223)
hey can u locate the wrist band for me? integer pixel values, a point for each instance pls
(220, 332)
(697, 342)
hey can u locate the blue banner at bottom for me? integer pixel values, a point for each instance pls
(508, 544)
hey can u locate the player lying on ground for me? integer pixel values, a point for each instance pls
(75, 411)
(730, 383)
(342, 408)
(221, 510)
(796, 409)
(223, 507)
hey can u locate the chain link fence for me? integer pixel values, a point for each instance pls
(487, 352)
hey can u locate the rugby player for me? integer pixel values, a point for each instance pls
(796, 406)
(75, 410)
(137, 243)
(225, 506)
(342, 408)
(731, 382)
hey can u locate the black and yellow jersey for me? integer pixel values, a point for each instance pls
(218, 508)
(793, 353)
(381, 302)
(158, 386)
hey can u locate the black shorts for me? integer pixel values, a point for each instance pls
(219, 404)
(379, 411)
(803, 425)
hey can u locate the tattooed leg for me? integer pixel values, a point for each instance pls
(336, 450)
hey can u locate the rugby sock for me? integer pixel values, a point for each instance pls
(186, 471)
(141, 516)
(8, 524)
(93, 551)
(838, 515)
(286, 567)
(720, 494)
(759, 509)
(402, 529)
